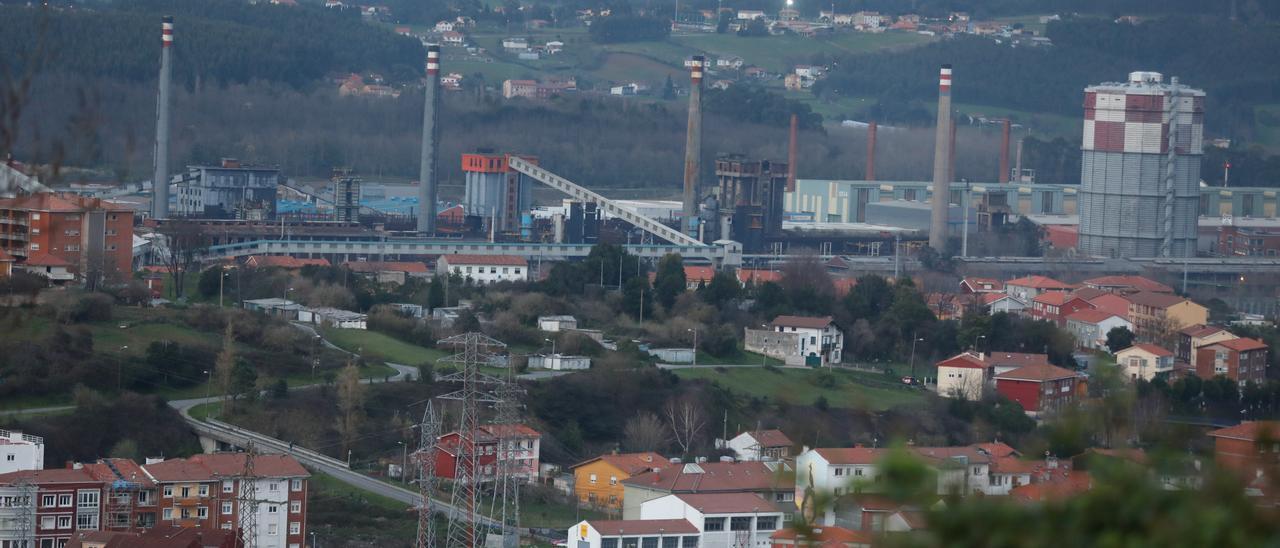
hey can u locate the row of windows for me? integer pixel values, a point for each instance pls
(84, 522)
(492, 270)
(740, 523)
(649, 542)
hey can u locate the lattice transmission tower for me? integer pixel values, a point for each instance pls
(429, 432)
(247, 501)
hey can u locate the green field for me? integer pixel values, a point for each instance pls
(780, 53)
(377, 347)
(798, 386)
(1268, 125)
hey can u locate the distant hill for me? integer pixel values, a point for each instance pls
(217, 42)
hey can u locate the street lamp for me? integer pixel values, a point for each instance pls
(914, 340)
(404, 461)
(553, 345)
(208, 386)
(695, 345)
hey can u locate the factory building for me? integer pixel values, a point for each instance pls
(229, 190)
(346, 197)
(496, 192)
(1140, 168)
(748, 202)
(914, 215)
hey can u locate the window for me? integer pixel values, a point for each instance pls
(35, 231)
(857, 471)
(64, 501)
(272, 509)
(613, 480)
(713, 524)
(504, 270)
(226, 525)
(295, 507)
(35, 216)
(204, 490)
(784, 497)
(767, 523)
(295, 527)
(71, 232)
(649, 542)
(47, 500)
(167, 513)
(273, 486)
(87, 522)
(670, 542)
(64, 522)
(168, 491)
(609, 543)
(35, 247)
(740, 523)
(87, 499)
(592, 479)
(185, 513)
(202, 512)
(517, 271)
(226, 508)
(273, 529)
(46, 522)
(186, 492)
(690, 542)
(295, 485)
(228, 486)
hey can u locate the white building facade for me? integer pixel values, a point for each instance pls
(485, 269)
(20, 451)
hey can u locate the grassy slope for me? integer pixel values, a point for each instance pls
(376, 346)
(795, 386)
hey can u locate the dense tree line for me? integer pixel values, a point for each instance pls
(757, 105)
(628, 28)
(1233, 67)
(217, 42)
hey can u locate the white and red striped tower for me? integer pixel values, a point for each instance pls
(693, 147)
(941, 199)
(430, 143)
(1140, 166)
(160, 180)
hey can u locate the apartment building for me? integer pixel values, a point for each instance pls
(1160, 314)
(88, 238)
(1241, 360)
(515, 447)
(485, 269)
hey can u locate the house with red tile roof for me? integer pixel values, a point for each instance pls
(1242, 360)
(1193, 337)
(981, 285)
(1028, 288)
(1053, 486)
(521, 460)
(1041, 388)
(799, 340)
(1000, 302)
(1055, 306)
(1090, 327)
(1153, 314)
(52, 267)
(760, 445)
(878, 514)
(1114, 303)
(774, 481)
(1144, 361)
(597, 482)
(1248, 448)
(963, 376)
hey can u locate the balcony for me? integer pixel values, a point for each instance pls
(11, 220)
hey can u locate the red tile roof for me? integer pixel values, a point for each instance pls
(1088, 293)
(946, 455)
(964, 360)
(1151, 349)
(1137, 283)
(630, 463)
(282, 261)
(510, 431)
(982, 284)
(749, 275)
(1014, 465)
(613, 528)
(805, 322)
(1242, 344)
(207, 467)
(46, 259)
(486, 260)
(1112, 302)
(1200, 330)
(58, 202)
(1092, 315)
(1039, 282)
(51, 475)
(1018, 359)
(1061, 484)
(1052, 298)
(727, 503)
(997, 449)
(1155, 300)
(385, 266)
(1250, 431)
(771, 438)
(1037, 373)
(714, 477)
(698, 273)
(991, 298)
(825, 537)
(852, 455)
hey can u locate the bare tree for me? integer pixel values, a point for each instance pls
(644, 432)
(184, 243)
(351, 396)
(687, 422)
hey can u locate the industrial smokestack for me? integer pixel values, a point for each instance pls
(1004, 152)
(941, 168)
(160, 180)
(693, 147)
(951, 155)
(792, 154)
(871, 150)
(430, 142)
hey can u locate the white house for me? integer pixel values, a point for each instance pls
(835, 472)
(1027, 288)
(760, 445)
(554, 324)
(333, 317)
(515, 44)
(20, 451)
(810, 72)
(560, 362)
(799, 340)
(485, 269)
(729, 63)
(445, 26)
(1090, 327)
(664, 533)
(963, 376)
(724, 520)
(1144, 361)
(453, 38)
(999, 302)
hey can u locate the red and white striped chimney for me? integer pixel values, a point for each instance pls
(942, 159)
(166, 31)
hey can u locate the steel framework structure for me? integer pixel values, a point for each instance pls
(429, 431)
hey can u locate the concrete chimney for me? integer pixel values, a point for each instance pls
(951, 154)
(872, 128)
(1004, 153)
(941, 168)
(430, 143)
(693, 147)
(792, 154)
(160, 180)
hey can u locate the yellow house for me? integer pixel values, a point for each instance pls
(1163, 315)
(598, 481)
